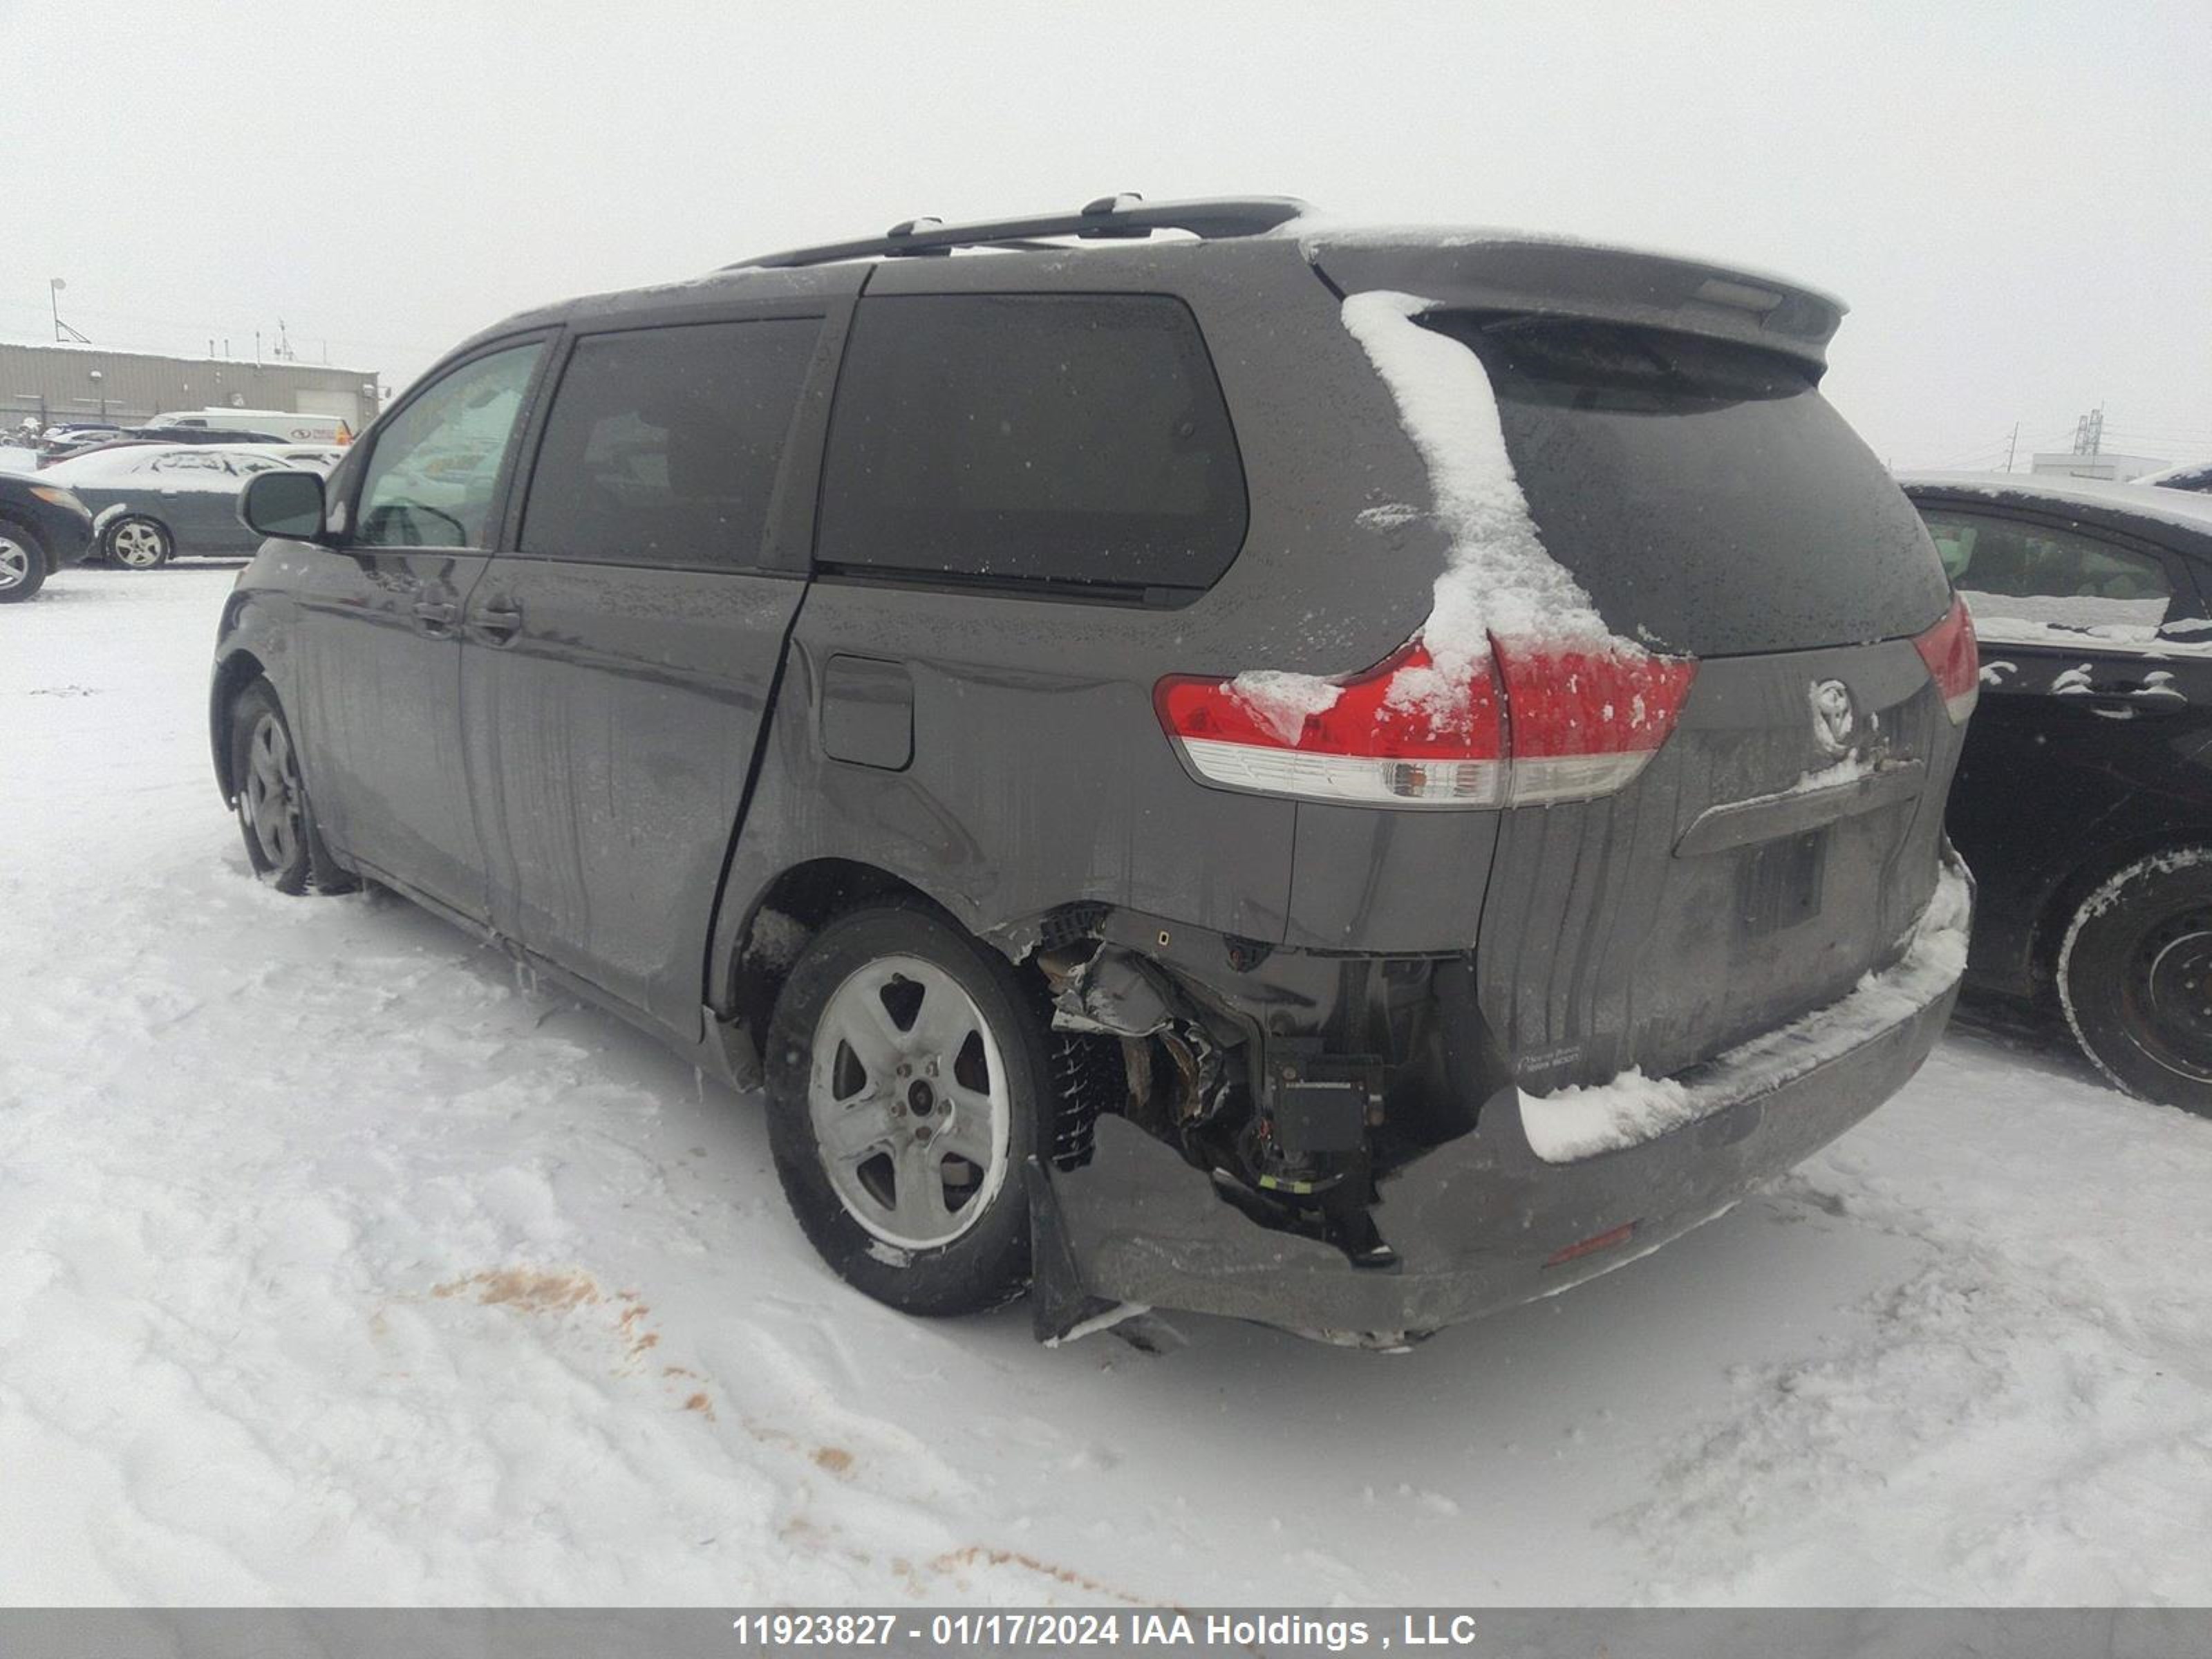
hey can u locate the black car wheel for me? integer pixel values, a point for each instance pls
(910, 1079)
(275, 816)
(2135, 974)
(138, 543)
(23, 563)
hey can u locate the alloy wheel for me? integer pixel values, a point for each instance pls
(15, 563)
(907, 1100)
(272, 801)
(138, 544)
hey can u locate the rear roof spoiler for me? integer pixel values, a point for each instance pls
(1505, 271)
(1125, 217)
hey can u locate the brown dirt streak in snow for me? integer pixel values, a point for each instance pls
(953, 1560)
(835, 1459)
(700, 1403)
(526, 1289)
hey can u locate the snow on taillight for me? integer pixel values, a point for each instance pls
(1372, 741)
(1530, 724)
(1954, 661)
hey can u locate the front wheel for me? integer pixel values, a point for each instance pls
(2135, 974)
(138, 543)
(23, 564)
(282, 842)
(909, 1081)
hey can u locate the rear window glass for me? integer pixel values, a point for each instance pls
(664, 444)
(1047, 438)
(1705, 493)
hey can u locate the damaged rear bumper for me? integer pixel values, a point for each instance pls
(1484, 1222)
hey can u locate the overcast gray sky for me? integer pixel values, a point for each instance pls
(2015, 199)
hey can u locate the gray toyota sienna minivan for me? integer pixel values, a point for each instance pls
(1347, 779)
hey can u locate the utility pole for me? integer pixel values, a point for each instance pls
(2011, 444)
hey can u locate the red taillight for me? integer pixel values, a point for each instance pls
(1954, 660)
(1398, 733)
(1529, 723)
(1585, 721)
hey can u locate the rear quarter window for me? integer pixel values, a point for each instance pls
(1074, 440)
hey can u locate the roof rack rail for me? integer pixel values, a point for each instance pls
(1127, 216)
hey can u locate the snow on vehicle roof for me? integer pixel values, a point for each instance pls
(114, 465)
(2195, 474)
(2177, 507)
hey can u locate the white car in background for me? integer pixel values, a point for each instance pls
(293, 428)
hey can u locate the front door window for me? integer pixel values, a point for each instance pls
(433, 478)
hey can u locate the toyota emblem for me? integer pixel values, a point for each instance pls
(1833, 719)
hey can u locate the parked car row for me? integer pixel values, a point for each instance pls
(63, 442)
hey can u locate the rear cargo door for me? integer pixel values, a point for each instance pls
(1781, 843)
(622, 651)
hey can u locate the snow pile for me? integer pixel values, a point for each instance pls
(2013, 619)
(1497, 578)
(1631, 1109)
(1283, 703)
(2022, 1393)
(1853, 767)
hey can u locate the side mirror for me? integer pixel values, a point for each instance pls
(288, 504)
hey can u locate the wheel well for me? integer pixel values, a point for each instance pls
(236, 671)
(22, 529)
(2092, 873)
(794, 907)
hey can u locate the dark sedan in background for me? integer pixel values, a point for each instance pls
(154, 502)
(2084, 798)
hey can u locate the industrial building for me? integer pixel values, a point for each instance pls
(53, 384)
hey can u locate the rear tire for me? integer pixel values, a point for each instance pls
(909, 1080)
(2134, 974)
(23, 563)
(138, 543)
(283, 842)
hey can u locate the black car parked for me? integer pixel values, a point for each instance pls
(2084, 800)
(43, 528)
(1095, 720)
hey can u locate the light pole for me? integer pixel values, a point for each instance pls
(54, 287)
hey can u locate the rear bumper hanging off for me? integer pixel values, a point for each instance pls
(1484, 1222)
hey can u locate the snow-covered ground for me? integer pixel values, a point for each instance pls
(334, 1267)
